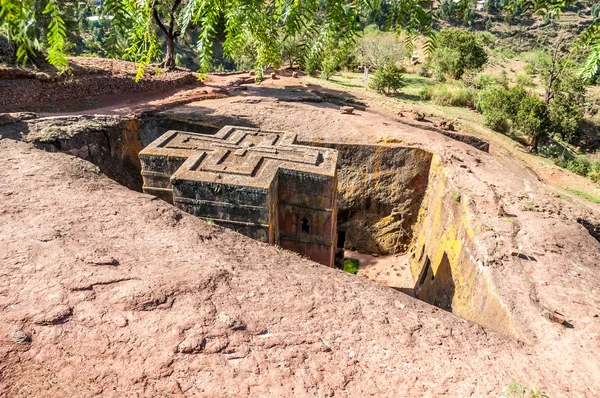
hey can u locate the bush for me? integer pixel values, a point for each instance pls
(483, 81)
(596, 10)
(388, 79)
(579, 165)
(426, 93)
(594, 172)
(488, 24)
(532, 120)
(293, 50)
(328, 66)
(504, 53)
(458, 50)
(311, 64)
(529, 69)
(535, 60)
(424, 70)
(179, 60)
(502, 79)
(350, 265)
(499, 105)
(485, 39)
(524, 80)
(565, 115)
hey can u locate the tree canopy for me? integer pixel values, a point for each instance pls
(136, 27)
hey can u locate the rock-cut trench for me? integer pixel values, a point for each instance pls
(392, 201)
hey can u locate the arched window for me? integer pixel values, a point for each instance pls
(305, 226)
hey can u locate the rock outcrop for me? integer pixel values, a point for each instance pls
(105, 291)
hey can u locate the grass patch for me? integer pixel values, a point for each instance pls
(350, 265)
(443, 94)
(582, 194)
(563, 197)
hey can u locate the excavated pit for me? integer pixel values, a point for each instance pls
(393, 203)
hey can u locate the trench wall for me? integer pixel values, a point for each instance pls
(446, 257)
(380, 190)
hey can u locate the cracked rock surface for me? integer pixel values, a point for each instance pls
(105, 291)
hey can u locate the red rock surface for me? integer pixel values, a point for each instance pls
(122, 295)
(107, 291)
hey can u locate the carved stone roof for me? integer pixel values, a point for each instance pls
(241, 156)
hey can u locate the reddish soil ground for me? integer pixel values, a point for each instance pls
(105, 291)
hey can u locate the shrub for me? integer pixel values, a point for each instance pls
(458, 50)
(524, 80)
(499, 105)
(485, 39)
(532, 120)
(502, 78)
(579, 165)
(504, 53)
(594, 172)
(388, 79)
(488, 24)
(459, 97)
(350, 265)
(535, 60)
(179, 60)
(565, 115)
(424, 70)
(596, 10)
(483, 80)
(328, 66)
(491, 104)
(426, 93)
(448, 62)
(311, 64)
(293, 50)
(529, 69)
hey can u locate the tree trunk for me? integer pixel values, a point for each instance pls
(169, 61)
(534, 144)
(169, 33)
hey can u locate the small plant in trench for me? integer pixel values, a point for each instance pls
(456, 196)
(516, 390)
(350, 265)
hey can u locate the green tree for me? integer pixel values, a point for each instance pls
(140, 28)
(388, 79)
(500, 105)
(565, 116)
(533, 120)
(375, 48)
(458, 50)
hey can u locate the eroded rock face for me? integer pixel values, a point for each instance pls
(380, 190)
(111, 143)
